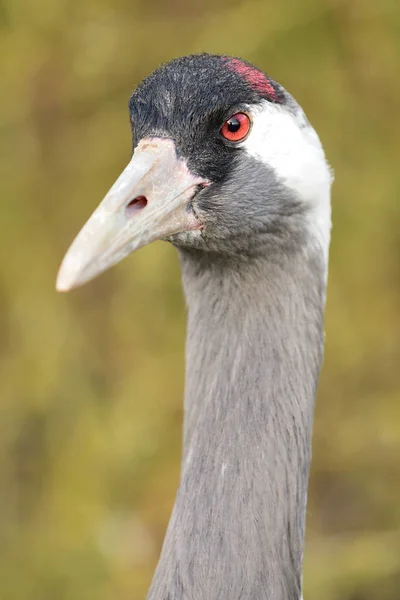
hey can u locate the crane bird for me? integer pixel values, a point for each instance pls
(227, 168)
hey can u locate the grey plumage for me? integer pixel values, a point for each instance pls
(254, 348)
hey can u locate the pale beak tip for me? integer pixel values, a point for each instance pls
(66, 277)
(60, 287)
(62, 283)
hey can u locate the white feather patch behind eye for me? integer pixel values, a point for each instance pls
(288, 144)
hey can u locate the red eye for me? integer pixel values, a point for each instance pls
(236, 128)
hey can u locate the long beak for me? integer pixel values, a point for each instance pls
(149, 201)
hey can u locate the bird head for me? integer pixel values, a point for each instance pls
(223, 160)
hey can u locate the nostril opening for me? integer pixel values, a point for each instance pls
(136, 204)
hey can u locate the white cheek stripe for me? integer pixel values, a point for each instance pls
(287, 143)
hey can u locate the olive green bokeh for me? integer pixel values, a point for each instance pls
(92, 382)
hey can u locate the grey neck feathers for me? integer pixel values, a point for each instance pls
(254, 350)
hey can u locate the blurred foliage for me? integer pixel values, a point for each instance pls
(92, 383)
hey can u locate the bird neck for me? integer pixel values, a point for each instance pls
(253, 355)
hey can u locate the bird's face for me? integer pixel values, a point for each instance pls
(223, 157)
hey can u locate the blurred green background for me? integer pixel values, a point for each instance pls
(91, 383)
